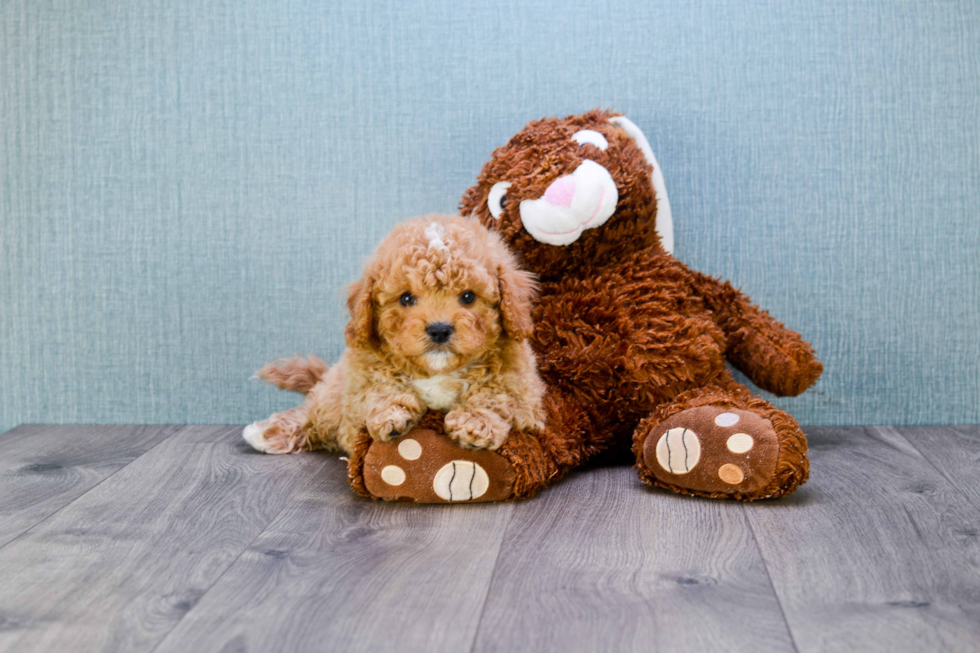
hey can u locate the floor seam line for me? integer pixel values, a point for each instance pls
(245, 548)
(772, 586)
(493, 575)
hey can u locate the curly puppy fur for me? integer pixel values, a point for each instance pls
(440, 321)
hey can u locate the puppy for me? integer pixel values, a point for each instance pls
(438, 321)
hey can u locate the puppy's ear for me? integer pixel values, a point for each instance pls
(517, 288)
(360, 329)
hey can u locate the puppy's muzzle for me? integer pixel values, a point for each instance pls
(439, 333)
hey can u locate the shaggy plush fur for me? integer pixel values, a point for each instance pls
(439, 321)
(628, 335)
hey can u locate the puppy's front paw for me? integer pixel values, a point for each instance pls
(389, 422)
(477, 429)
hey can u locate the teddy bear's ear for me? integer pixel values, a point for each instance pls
(360, 329)
(517, 289)
(665, 222)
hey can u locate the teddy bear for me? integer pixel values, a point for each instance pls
(631, 343)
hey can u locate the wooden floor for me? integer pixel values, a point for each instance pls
(162, 538)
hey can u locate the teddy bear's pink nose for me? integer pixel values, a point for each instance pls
(560, 192)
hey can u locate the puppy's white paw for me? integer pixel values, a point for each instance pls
(481, 429)
(254, 434)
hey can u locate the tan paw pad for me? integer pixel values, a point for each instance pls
(410, 449)
(678, 450)
(461, 480)
(740, 443)
(393, 475)
(731, 474)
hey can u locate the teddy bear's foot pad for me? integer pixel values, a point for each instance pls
(713, 450)
(426, 467)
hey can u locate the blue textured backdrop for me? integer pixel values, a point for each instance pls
(186, 185)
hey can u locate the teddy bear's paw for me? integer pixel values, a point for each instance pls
(480, 429)
(426, 467)
(712, 450)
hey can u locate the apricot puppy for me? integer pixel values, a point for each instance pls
(438, 321)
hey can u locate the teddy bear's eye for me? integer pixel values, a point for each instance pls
(467, 297)
(497, 198)
(591, 137)
(407, 299)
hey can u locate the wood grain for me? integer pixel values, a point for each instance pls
(44, 468)
(336, 572)
(954, 451)
(117, 568)
(601, 563)
(878, 551)
(200, 544)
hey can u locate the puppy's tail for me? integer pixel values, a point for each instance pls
(298, 374)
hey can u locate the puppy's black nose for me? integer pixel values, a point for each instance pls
(439, 332)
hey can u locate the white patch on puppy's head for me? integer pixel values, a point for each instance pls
(435, 232)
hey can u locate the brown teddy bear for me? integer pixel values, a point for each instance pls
(631, 342)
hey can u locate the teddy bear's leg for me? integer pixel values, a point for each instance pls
(425, 466)
(721, 442)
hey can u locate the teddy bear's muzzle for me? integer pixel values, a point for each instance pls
(571, 204)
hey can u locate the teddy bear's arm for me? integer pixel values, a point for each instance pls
(777, 359)
(652, 321)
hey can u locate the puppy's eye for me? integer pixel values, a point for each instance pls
(497, 198)
(407, 299)
(591, 137)
(467, 297)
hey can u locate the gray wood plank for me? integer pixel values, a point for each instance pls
(954, 451)
(878, 552)
(44, 468)
(120, 566)
(335, 572)
(602, 563)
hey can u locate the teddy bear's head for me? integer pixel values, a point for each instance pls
(568, 192)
